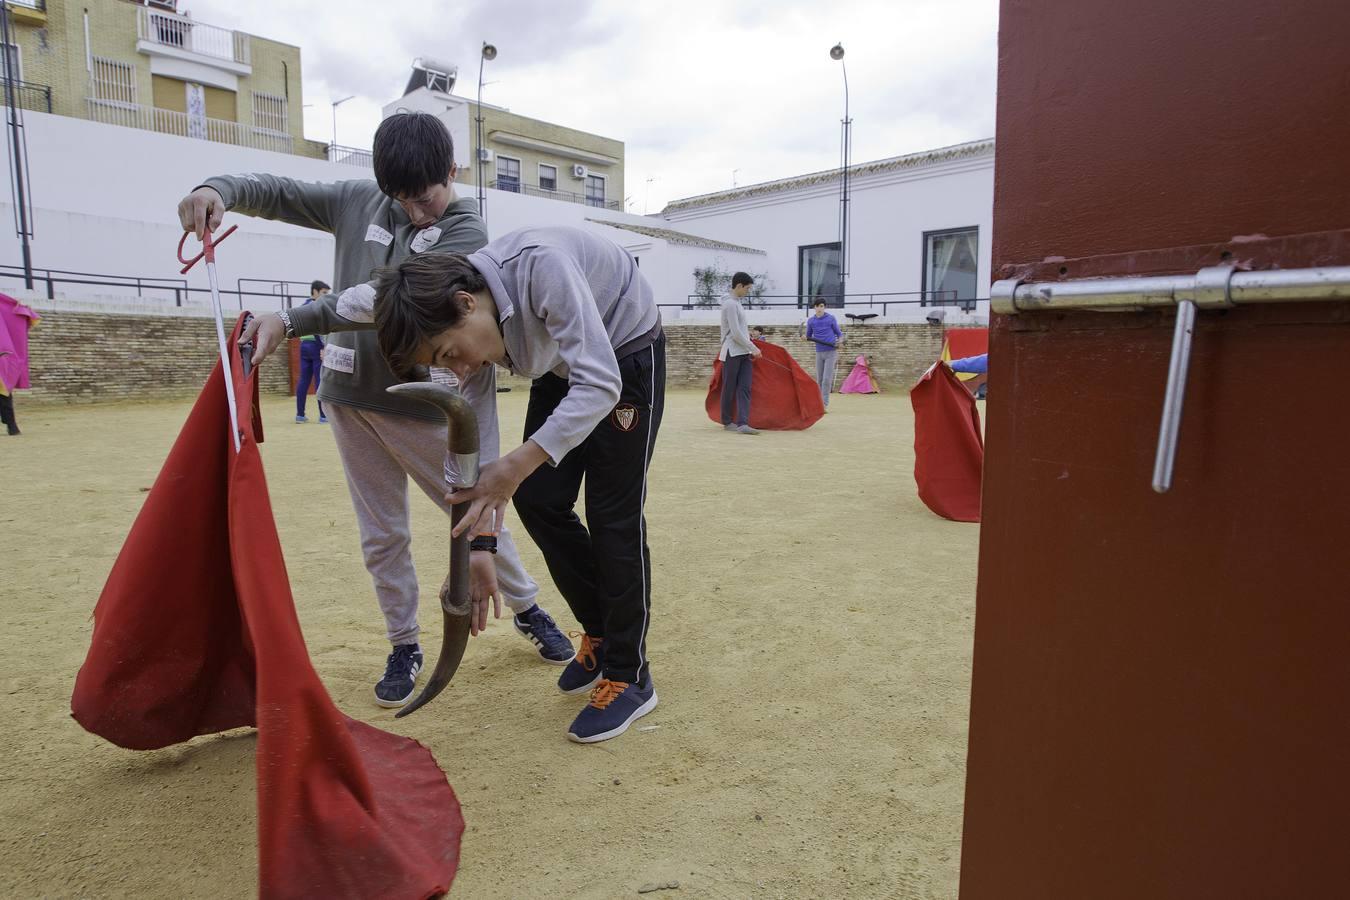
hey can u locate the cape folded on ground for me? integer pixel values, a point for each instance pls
(782, 396)
(860, 380)
(948, 446)
(196, 632)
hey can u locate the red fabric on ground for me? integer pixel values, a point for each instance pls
(196, 632)
(782, 396)
(948, 446)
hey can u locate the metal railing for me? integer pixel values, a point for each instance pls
(870, 302)
(515, 187)
(156, 288)
(39, 5)
(168, 121)
(350, 156)
(172, 30)
(28, 95)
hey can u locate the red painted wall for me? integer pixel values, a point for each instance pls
(1158, 703)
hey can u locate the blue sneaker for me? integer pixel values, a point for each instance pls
(323, 420)
(584, 671)
(539, 629)
(400, 676)
(614, 706)
(300, 420)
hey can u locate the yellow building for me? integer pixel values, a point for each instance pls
(529, 156)
(145, 65)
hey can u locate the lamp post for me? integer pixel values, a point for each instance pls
(332, 154)
(845, 152)
(489, 53)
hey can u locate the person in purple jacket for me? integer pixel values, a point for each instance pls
(822, 329)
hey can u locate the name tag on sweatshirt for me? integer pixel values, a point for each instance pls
(425, 239)
(379, 235)
(339, 359)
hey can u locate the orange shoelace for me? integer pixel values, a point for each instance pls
(587, 652)
(606, 691)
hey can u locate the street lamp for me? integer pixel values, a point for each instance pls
(336, 103)
(845, 152)
(489, 53)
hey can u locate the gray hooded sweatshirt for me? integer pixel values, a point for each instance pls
(568, 302)
(370, 230)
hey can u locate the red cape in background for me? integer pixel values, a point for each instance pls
(196, 633)
(948, 446)
(782, 396)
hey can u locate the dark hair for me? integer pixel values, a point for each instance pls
(412, 151)
(413, 303)
(317, 285)
(741, 278)
(820, 301)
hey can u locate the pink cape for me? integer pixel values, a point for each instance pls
(15, 320)
(196, 633)
(860, 380)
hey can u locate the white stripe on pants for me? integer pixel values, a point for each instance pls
(379, 452)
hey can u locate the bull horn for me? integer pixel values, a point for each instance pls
(455, 606)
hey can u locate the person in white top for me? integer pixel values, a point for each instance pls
(737, 355)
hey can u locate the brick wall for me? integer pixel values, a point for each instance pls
(83, 357)
(900, 353)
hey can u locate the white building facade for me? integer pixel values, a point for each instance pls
(919, 230)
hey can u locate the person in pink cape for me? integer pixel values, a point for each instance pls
(860, 380)
(15, 320)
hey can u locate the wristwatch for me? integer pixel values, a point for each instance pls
(285, 318)
(486, 542)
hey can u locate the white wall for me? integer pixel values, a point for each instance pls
(889, 214)
(105, 198)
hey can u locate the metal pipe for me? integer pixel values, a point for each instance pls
(1174, 397)
(1324, 283)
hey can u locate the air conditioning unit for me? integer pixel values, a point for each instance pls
(485, 154)
(578, 171)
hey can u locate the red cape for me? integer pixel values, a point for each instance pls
(196, 633)
(782, 396)
(948, 447)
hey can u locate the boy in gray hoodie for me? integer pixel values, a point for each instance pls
(572, 311)
(382, 438)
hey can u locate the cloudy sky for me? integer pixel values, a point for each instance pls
(701, 92)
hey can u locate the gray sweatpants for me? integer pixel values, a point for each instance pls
(379, 452)
(825, 373)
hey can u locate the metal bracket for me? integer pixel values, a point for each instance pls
(1214, 287)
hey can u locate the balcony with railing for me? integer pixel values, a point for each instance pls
(515, 187)
(167, 121)
(27, 95)
(350, 156)
(167, 33)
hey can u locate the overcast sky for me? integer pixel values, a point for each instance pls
(701, 92)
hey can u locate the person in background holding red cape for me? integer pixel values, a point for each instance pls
(784, 397)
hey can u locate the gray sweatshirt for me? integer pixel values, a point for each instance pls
(370, 230)
(567, 299)
(735, 332)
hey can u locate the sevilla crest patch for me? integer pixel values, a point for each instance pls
(624, 417)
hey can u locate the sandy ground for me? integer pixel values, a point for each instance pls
(811, 645)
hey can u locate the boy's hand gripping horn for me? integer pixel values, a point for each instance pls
(455, 604)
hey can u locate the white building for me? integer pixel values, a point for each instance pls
(919, 229)
(104, 197)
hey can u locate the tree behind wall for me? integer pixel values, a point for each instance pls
(712, 283)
